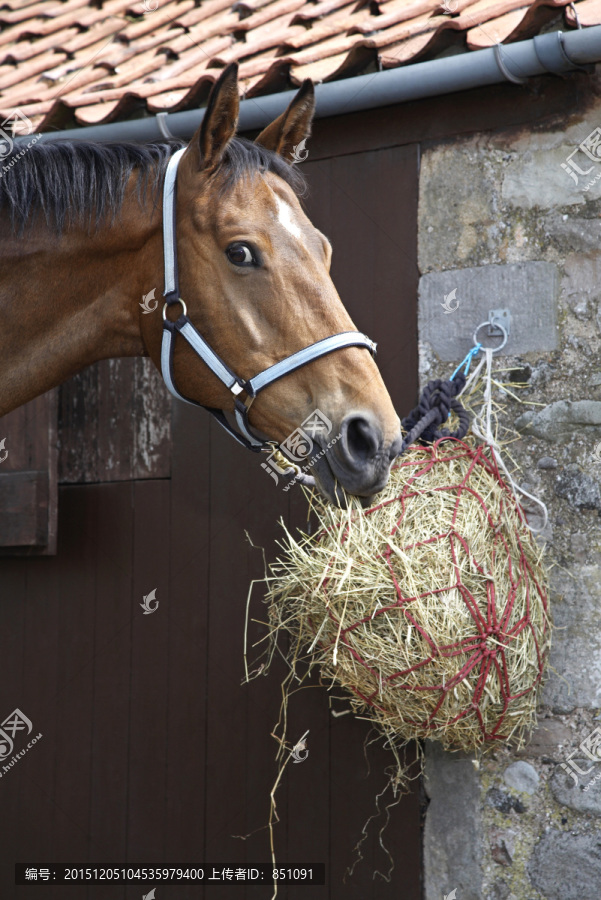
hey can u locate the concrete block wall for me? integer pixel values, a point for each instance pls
(510, 220)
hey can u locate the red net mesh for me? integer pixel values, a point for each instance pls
(499, 616)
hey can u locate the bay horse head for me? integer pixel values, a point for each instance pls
(81, 242)
(255, 284)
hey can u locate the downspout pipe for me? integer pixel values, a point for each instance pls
(556, 52)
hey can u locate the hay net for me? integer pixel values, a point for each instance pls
(430, 608)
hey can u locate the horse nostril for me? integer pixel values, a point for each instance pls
(362, 438)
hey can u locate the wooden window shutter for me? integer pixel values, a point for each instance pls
(28, 478)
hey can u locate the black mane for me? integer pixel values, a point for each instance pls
(80, 183)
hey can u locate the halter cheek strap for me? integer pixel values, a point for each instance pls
(184, 326)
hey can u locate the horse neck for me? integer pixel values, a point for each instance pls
(68, 301)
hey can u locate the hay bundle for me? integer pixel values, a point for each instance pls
(430, 608)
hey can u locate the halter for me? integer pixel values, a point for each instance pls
(184, 326)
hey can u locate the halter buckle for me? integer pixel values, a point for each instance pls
(238, 388)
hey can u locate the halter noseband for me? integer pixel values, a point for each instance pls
(184, 326)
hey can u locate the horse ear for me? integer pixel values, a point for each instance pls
(293, 126)
(220, 120)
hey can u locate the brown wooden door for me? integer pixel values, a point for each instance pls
(152, 749)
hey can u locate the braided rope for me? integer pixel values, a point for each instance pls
(437, 401)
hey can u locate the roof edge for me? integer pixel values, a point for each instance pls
(556, 52)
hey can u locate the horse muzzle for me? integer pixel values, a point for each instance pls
(358, 460)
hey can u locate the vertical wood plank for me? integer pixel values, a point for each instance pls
(13, 592)
(41, 809)
(115, 445)
(75, 657)
(227, 723)
(262, 695)
(112, 670)
(188, 611)
(151, 422)
(149, 676)
(78, 428)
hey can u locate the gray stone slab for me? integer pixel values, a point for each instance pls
(576, 234)
(536, 180)
(583, 795)
(578, 488)
(551, 738)
(563, 420)
(574, 673)
(453, 829)
(567, 866)
(529, 290)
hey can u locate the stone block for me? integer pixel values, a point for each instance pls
(551, 739)
(457, 214)
(566, 866)
(578, 488)
(572, 233)
(563, 420)
(582, 796)
(576, 648)
(529, 290)
(453, 829)
(537, 180)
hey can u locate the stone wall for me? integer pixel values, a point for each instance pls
(512, 220)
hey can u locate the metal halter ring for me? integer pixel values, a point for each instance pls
(179, 300)
(495, 325)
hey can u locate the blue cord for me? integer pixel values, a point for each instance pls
(467, 361)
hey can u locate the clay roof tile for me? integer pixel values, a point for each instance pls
(76, 61)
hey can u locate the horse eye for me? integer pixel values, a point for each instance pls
(240, 255)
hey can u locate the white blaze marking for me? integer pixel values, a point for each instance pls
(285, 217)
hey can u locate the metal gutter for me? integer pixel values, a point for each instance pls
(556, 52)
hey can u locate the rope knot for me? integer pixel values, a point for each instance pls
(436, 402)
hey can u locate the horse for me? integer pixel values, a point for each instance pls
(81, 235)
